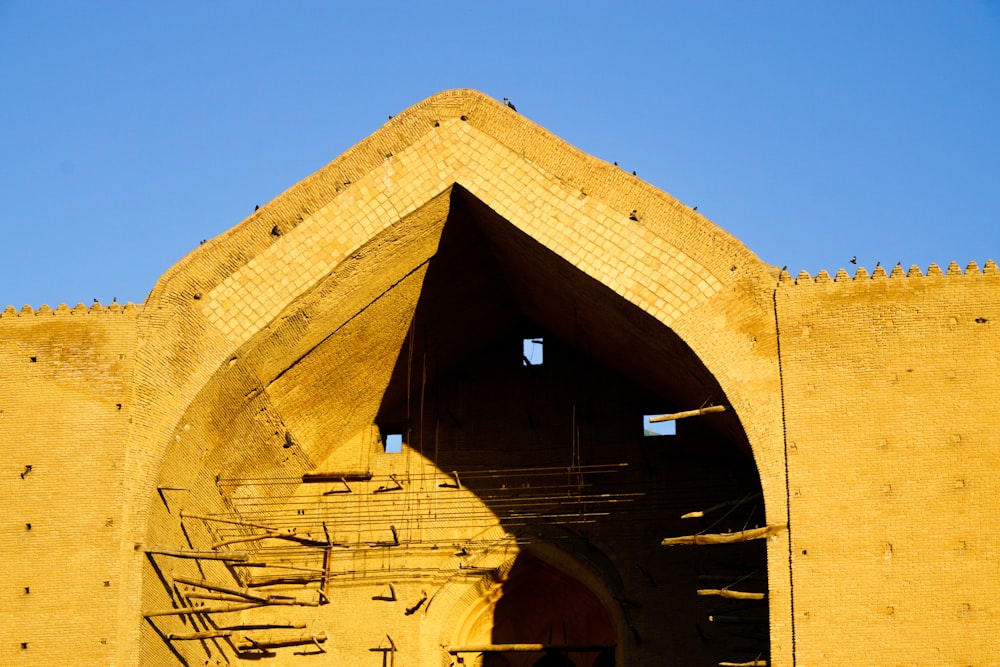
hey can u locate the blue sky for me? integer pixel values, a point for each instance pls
(130, 131)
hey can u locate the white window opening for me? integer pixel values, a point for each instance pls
(393, 443)
(532, 351)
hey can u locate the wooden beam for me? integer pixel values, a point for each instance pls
(723, 538)
(200, 609)
(688, 413)
(202, 583)
(281, 534)
(234, 556)
(208, 634)
(326, 477)
(733, 595)
(218, 597)
(529, 648)
(251, 643)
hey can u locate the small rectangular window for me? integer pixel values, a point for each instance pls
(658, 428)
(532, 351)
(393, 443)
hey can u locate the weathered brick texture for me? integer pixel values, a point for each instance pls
(391, 292)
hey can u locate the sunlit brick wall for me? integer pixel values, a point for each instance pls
(64, 419)
(893, 454)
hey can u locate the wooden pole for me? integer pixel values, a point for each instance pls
(325, 477)
(201, 583)
(208, 634)
(529, 648)
(218, 597)
(733, 595)
(200, 609)
(203, 517)
(282, 534)
(251, 643)
(235, 556)
(688, 413)
(723, 538)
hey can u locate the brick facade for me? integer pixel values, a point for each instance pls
(391, 293)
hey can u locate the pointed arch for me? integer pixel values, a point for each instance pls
(363, 229)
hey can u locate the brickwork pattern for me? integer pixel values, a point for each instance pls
(889, 418)
(892, 435)
(64, 419)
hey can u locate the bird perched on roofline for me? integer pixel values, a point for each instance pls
(509, 104)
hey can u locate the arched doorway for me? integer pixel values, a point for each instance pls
(541, 604)
(541, 616)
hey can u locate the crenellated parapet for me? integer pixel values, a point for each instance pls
(972, 270)
(113, 308)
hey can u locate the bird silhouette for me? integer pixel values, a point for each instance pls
(257, 207)
(854, 259)
(509, 104)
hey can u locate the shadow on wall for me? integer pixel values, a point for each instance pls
(542, 605)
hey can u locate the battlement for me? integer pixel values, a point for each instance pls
(63, 310)
(990, 268)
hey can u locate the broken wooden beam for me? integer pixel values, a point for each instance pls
(733, 595)
(269, 600)
(202, 583)
(281, 534)
(277, 579)
(234, 556)
(723, 538)
(251, 643)
(265, 626)
(208, 634)
(218, 597)
(296, 602)
(687, 413)
(200, 609)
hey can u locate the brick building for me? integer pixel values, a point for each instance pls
(399, 416)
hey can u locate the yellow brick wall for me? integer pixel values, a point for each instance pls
(886, 383)
(669, 261)
(891, 403)
(64, 410)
